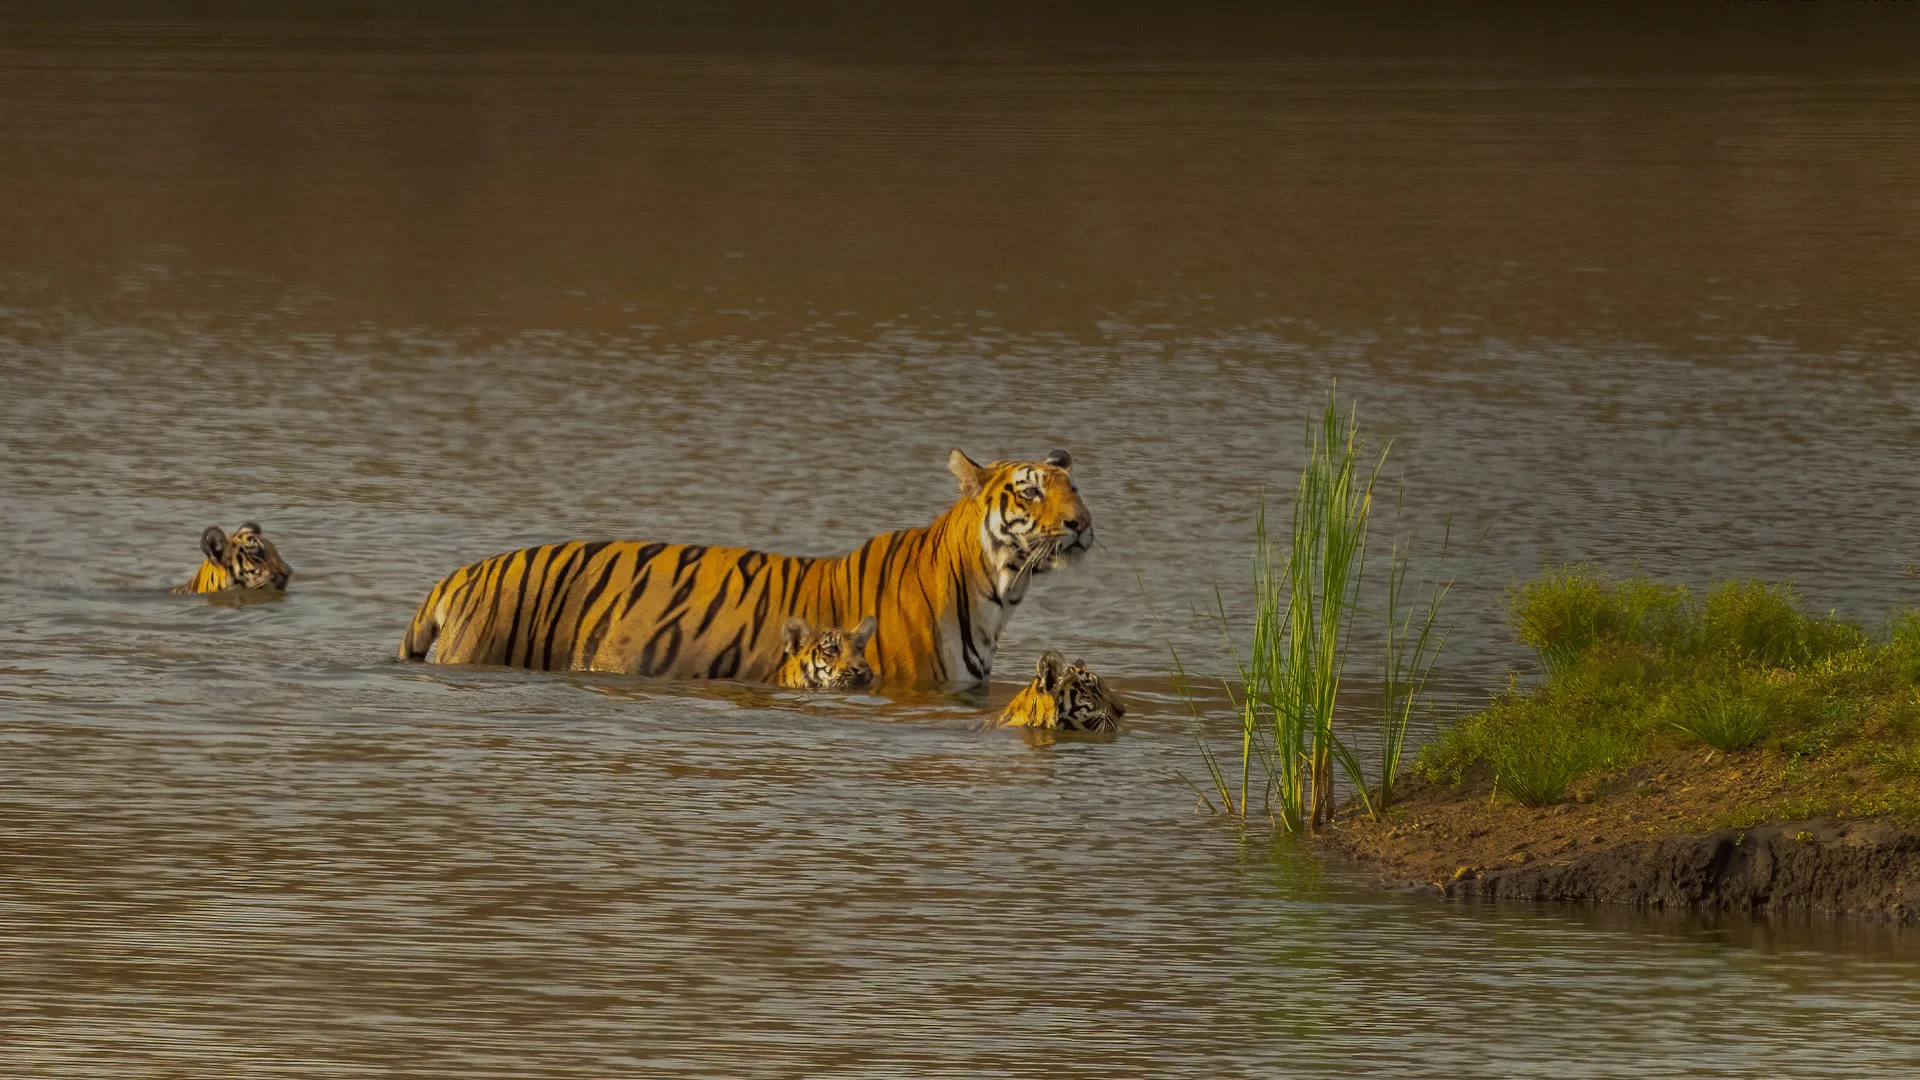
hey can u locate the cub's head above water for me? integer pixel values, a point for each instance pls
(242, 559)
(1064, 697)
(1034, 520)
(825, 659)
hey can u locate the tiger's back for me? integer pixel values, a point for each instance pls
(627, 606)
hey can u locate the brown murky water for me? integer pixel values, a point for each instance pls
(410, 301)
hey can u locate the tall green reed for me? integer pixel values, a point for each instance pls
(1409, 650)
(1305, 600)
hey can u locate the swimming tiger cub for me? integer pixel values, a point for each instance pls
(1064, 697)
(940, 595)
(825, 659)
(243, 559)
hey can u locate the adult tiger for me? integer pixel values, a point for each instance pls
(244, 559)
(940, 594)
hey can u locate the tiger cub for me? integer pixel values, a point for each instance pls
(244, 559)
(825, 659)
(1064, 697)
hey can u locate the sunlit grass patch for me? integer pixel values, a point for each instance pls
(1897, 762)
(1569, 610)
(1722, 717)
(1633, 668)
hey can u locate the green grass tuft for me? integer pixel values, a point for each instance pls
(1633, 666)
(1722, 717)
(1570, 610)
(1896, 762)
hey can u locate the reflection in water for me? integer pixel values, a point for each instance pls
(410, 306)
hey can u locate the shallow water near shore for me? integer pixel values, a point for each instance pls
(409, 301)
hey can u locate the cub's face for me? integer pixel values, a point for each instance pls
(826, 659)
(247, 556)
(1034, 519)
(1081, 699)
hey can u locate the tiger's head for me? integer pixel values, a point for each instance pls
(246, 557)
(1066, 697)
(825, 659)
(1032, 519)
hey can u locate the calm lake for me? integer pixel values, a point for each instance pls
(409, 297)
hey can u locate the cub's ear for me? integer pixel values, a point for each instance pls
(793, 636)
(971, 475)
(1048, 669)
(253, 527)
(213, 542)
(1061, 459)
(863, 633)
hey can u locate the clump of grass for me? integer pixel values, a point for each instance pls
(1536, 765)
(1722, 717)
(1569, 610)
(1535, 743)
(1632, 665)
(1897, 762)
(1755, 624)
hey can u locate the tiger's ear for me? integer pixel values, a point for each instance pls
(213, 542)
(1048, 669)
(863, 633)
(253, 527)
(794, 635)
(971, 475)
(1060, 459)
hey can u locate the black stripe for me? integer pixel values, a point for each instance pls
(486, 628)
(600, 586)
(719, 601)
(750, 564)
(689, 555)
(968, 653)
(520, 601)
(727, 664)
(557, 605)
(642, 573)
(652, 662)
(801, 565)
(592, 646)
(543, 595)
(680, 597)
(899, 541)
(760, 609)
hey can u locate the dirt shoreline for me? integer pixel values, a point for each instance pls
(1463, 845)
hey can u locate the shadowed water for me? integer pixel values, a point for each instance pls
(411, 301)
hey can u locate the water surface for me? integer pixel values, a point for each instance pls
(408, 303)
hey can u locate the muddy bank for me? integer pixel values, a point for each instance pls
(1867, 868)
